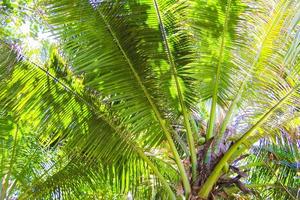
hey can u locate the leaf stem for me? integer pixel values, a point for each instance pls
(213, 108)
(179, 92)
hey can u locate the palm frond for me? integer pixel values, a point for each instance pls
(41, 102)
(280, 166)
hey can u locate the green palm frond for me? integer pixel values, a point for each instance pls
(41, 102)
(128, 77)
(271, 91)
(263, 44)
(127, 68)
(279, 166)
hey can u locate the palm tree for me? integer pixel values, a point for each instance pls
(156, 99)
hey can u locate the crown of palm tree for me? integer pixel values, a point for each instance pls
(150, 99)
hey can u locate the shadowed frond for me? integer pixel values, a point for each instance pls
(65, 117)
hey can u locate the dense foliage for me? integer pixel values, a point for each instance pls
(149, 99)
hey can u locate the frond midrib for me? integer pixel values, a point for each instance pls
(213, 108)
(187, 125)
